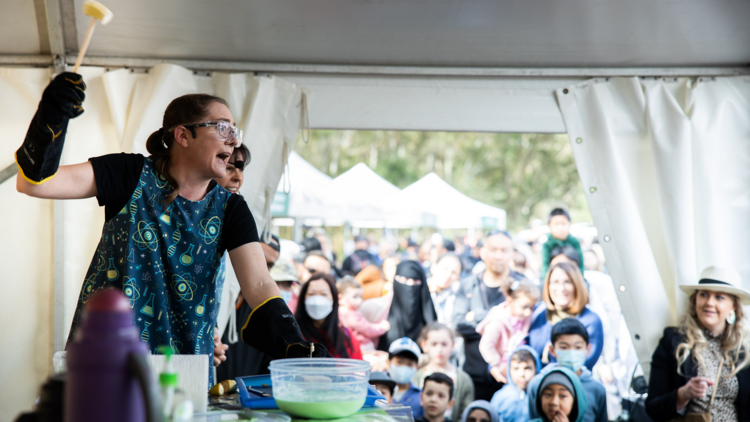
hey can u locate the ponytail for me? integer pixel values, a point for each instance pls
(185, 109)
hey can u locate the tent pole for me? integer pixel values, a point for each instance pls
(416, 71)
(8, 172)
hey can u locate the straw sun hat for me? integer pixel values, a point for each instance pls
(723, 280)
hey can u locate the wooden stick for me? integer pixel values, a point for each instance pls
(85, 45)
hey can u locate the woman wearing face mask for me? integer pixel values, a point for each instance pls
(411, 307)
(564, 295)
(318, 317)
(701, 366)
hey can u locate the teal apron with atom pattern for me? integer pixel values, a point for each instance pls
(166, 260)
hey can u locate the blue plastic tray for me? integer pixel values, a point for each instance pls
(256, 393)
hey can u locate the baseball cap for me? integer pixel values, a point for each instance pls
(283, 270)
(382, 378)
(405, 344)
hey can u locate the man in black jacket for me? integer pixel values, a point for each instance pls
(477, 294)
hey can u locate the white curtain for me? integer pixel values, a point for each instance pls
(665, 164)
(122, 109)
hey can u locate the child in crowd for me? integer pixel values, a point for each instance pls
(510, 401)
(436, 340)
(570, 346)
(506, 326)
(559, 228)
(350, 299)
(403, 357)
(383, 384)
(479, 411)
(560, 398)
(436, 398)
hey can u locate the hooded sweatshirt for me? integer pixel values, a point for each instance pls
(501, 334)
(510, 401)
(480, 404)
(594, 392)
(581, 404)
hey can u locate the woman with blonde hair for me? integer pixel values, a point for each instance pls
(701, 367)
(564, 295)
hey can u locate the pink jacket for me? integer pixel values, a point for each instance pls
(501, 334)
(365, 331)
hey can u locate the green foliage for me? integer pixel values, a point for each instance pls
(525, 174)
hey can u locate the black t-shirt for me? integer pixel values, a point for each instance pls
(117, 176)
(493, 294)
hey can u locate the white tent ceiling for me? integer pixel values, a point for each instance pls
(513, 33)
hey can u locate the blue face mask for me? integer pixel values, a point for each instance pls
(571, 359)
(286, 295)
(402, 374)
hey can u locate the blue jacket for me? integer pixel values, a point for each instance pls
(510, 402)
(580, 396)
(412, 399)
(596, 395)
(540, 333)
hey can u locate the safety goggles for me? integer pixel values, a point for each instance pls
(225, 130)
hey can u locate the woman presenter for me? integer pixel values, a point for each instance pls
(167, 225)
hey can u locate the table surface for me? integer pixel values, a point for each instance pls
(227, 407)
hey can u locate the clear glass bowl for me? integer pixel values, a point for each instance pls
(320, 388)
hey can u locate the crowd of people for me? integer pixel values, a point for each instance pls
(452, 330)
(504, 328)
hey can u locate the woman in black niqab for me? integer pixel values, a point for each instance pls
(412, 306)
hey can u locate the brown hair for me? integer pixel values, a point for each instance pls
(434, 326)
(521, 287)
(523, 355)
(574, 274)
(346, 283)
(185, 109)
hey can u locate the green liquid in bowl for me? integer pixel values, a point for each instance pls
(321, 410)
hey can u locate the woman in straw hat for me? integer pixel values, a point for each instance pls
(701, 367)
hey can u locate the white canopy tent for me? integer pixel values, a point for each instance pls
(363, 196)
(452, 209)
(410, 65)
(307, 189)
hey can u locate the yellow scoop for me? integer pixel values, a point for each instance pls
(99, 12)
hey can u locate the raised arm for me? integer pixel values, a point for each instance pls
(70, 182)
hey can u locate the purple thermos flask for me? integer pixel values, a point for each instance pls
(108, 375)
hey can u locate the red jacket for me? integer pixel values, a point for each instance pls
(353, 349)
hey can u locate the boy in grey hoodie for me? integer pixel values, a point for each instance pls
(570, 345)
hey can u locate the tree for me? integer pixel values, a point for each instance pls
(525, 174)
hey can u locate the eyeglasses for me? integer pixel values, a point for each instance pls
(225, 130)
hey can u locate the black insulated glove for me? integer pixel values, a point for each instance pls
(272, 329)
(39, 156)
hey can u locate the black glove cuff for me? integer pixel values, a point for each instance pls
(272, 329)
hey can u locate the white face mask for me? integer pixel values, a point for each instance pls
(286, 295)
(318, 307)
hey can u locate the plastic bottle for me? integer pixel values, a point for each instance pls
(177, 405)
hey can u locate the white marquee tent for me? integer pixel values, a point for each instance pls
(363, 195)
(451, 208)
(653, 95)
(307, 188)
